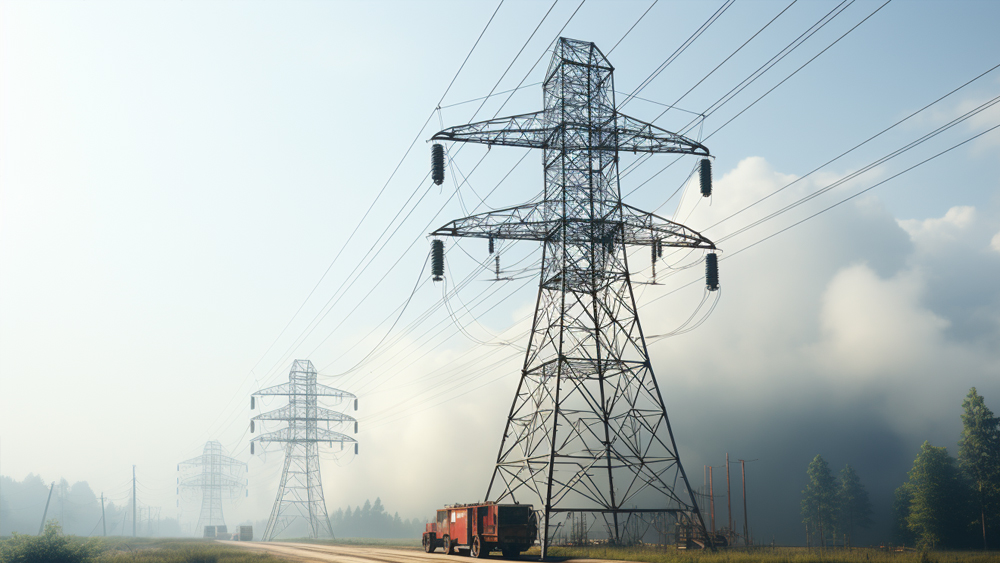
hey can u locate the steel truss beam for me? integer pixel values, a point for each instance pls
(587, 430)
(220, 476)
(300, 492)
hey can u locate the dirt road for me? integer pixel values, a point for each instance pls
(314, 553)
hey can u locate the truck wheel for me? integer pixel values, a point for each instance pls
(478, 549)
(446, 543)
(428, 544)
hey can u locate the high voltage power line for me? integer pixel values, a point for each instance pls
(731, 254)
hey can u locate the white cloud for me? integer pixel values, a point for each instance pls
(995, 242)
(940, 230)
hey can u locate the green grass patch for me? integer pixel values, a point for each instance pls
(53, 547)
(769, 555)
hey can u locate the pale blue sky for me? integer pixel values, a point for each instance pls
(175, 177)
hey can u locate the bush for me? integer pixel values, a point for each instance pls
(50, 547)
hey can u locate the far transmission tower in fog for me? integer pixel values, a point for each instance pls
(300, 493)
(219, 476)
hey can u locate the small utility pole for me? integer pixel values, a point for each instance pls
(133, 501)
(103, 521)
(711, 498)
(46, 512)
(729, 501)
(746, 533)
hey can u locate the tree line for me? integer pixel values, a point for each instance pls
(834, 508)
(945, 502)
(949, 502)
(373, 521)
(76, 509)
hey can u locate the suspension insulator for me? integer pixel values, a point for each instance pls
(251, 402)
(355, 426)
(491, 245)
(251, 448)
(355, 404)
(355, 448)
(712, 271)
(437, 259)
(659, 249)
(705, 174)
(498, 265)
(251, 427)
(437, 163)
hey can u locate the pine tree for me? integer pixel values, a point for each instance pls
(854, 506)
(979, 458)
(939, 498)
(901, 532)
(819, 501)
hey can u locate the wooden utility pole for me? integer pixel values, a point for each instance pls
(746, 533)
(729, 501)
(711, 498)
(133, 501)
(41, 527)
(103, 521)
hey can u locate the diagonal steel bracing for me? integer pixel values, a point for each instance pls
(587, 430)
(300, 492)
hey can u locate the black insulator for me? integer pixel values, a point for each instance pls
(437, 163)
(712, 271)
(251, 448)
(355, 404)
(659, 249)
(251, 427)
(355, 426)
(491, 245)
(705, 173)
(251, 402)
(355, 448)
(437, 262)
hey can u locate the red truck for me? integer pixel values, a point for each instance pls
(482, 528)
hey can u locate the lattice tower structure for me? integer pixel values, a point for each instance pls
(219, 476)
(587, 430)
(307, 425)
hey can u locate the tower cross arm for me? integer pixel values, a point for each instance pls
(524, 222)
(284, 435)
(638, 136)
(216, 480)
(526, 130)
(217, 459)
(313, 389)
(644, 228)
(315, 413)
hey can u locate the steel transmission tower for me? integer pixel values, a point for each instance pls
(220, 476)
(300, 493)
(587, 431)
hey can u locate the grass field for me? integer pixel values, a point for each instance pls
(52, 548)
(770, 555)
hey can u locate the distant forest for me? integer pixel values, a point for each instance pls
(945, 502)
(372, 521)
(76, 508)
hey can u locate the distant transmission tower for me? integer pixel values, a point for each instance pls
(587, 431)
(219, 476)
(300, 494)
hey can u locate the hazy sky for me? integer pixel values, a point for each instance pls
(176, 177)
